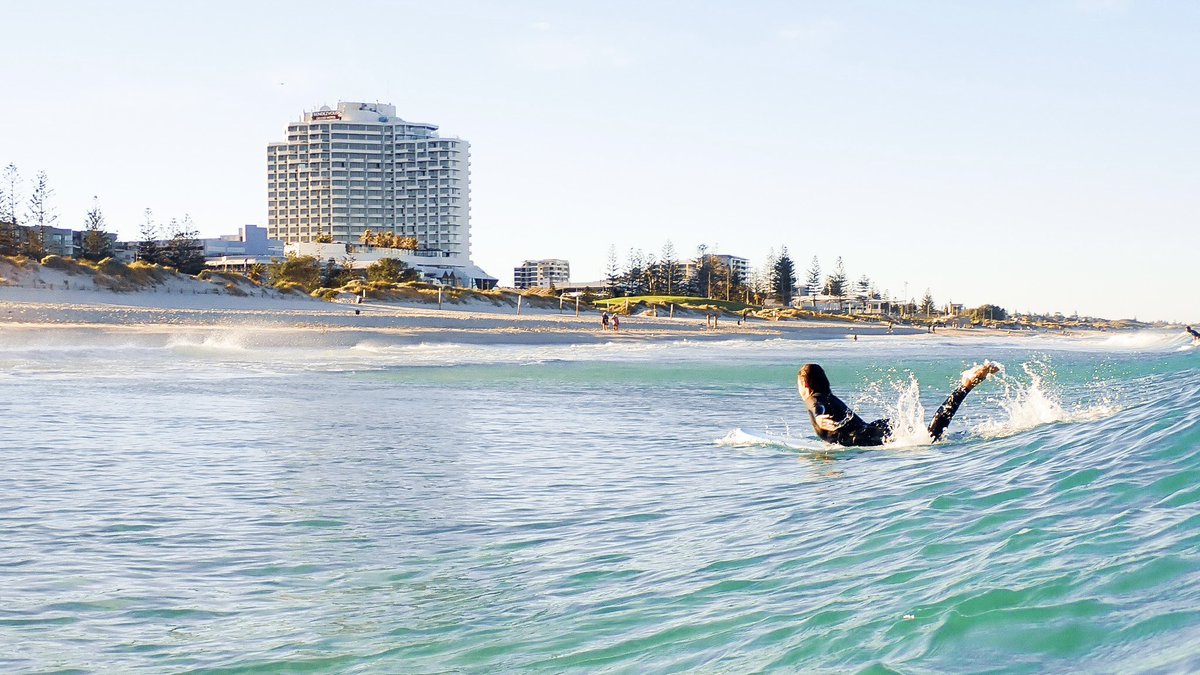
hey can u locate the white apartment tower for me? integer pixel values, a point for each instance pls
(548, 273)
(359, 167)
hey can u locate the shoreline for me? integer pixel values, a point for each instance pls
(147, 312)
(67, 310)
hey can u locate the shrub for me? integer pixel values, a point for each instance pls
(296, 271)
(391, 270)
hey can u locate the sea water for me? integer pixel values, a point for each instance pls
(275, 501)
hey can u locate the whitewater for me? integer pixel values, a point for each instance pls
(209, 499)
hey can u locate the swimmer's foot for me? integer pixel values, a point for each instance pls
(977, 374)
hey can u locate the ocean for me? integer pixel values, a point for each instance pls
(298, 501)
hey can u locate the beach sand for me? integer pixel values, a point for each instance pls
(55, 298)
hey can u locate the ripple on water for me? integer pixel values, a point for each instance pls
(560, 512)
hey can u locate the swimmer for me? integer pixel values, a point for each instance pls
(835, 422)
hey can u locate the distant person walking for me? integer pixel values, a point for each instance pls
(604, 320)
(616, 323)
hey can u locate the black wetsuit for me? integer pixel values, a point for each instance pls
(1193, 333)
(853, 430)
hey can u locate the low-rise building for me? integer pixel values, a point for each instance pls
(251, 240)
(435, 266)
(547, 273)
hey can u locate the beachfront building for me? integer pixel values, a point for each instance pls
(346, 170)
(358, 167)
(55, 240)
(434, 266)
(547, 273)
(739, 266)
(249, 247)
(249, 240)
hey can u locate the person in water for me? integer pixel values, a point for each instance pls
(835, 422)
(1194, 334)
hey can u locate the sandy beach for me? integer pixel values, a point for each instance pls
(474, 323)
(56, 298)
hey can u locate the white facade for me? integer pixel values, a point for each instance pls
(250, 240)
(740, 266)
(548, 273)
(358, 167)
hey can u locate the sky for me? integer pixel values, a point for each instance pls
(1041, 156)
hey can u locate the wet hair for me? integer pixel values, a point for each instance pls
(814, 378)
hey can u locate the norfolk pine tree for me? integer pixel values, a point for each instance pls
(41, 216)
(148, 249)
(96, 244)
(783, 278)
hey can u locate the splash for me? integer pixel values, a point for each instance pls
(1035, 401)
(908, 415)
(900, 402)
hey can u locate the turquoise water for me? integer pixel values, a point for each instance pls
(244, 502)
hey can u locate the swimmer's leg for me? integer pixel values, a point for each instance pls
(945, 412)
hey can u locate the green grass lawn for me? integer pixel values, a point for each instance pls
(677, 300)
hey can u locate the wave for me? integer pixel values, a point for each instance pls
(1152, 340)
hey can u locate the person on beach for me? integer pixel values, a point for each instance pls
(603, 320)
(616, 323)
(1194, 334)
(835, 422)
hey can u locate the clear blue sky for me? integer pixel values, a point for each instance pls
(1037, 155)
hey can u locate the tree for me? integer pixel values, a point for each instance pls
(989, 313)
(324, 238)
(632, 280)
(303, 271)
(701, 281)
(864, 286)
(96, 244)
(733, 279)
(368, 238)
(835, 284)
(184, 251)
(148, 248)
(8, 238)
(40, 215)
(813, 281)
(783, 278)
(651, 273)
(9, 234)
(927, 303)
(407, 243)
(612, 273)
(391, 270)
(672, 271)
(12, 195)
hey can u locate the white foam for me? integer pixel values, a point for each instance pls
(1033, 403)
(742, 438)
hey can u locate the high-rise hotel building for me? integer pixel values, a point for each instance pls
(359, 167)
